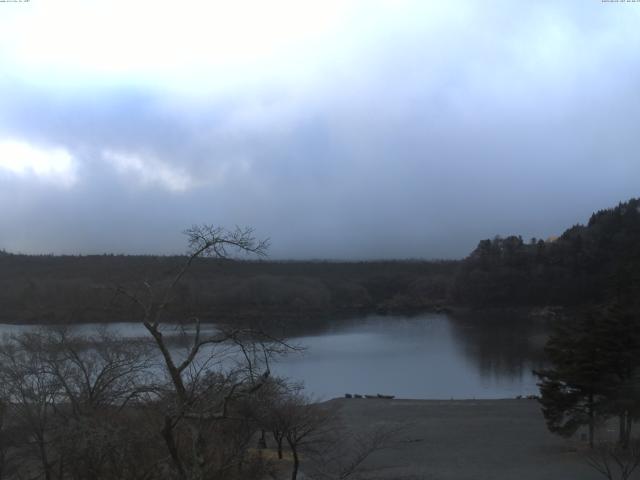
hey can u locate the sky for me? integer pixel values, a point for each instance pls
(339, 129)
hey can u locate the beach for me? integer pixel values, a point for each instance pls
(466, 439)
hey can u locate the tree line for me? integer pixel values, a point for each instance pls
(586, 264)
(77, 289)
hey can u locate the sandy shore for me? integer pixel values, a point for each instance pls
(467, 439)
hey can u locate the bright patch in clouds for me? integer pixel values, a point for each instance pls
(217, 42)
(22, 159)
(150, 171)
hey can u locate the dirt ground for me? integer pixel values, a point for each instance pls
(467, 439)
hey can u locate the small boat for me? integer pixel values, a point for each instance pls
(388, 397)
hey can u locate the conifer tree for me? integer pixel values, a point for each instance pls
(594, 372)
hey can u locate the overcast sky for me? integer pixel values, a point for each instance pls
(339, 129)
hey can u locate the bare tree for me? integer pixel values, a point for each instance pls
(316, 432)
(32, 394)
(98, 371)
(303, 425)
(9, 439)
(66, 394)
(201, 386)
(267, 408)
(99, 376)
(345, 455)
(613, 461)
(205, 240)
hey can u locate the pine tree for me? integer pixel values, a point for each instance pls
(571, 391)
(595, 372)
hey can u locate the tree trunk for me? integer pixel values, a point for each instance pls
(262, 441)
(167, 434)
(627, 430)
(591, 421)
(621, 427)
(296, 462)
(199, 448)
(44, 459)
(278, 440)
(626, 421)
(174, 373)
(61, 468)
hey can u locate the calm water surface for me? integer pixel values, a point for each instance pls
(426, 356)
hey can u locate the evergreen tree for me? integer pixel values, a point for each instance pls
(618, 334)
(594, 373)
(571, 390)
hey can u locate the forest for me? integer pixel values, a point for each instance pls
(586, 264)
(72, 289)
(590, 263)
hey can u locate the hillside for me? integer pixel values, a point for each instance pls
(587, 264)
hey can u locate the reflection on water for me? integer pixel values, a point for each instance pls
(426, 356)
(501, 347)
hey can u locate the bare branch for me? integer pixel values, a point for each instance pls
(614, 462)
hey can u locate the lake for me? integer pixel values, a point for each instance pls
(425, 356)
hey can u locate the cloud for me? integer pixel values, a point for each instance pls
(150, 170)
(386, 129)
(53, 165)
(179, 45)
